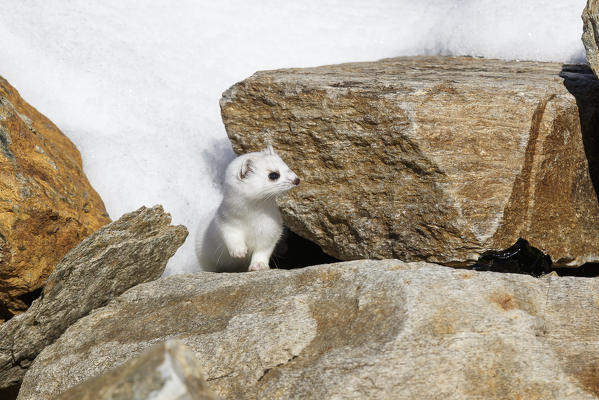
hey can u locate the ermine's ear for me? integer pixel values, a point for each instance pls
(246, 168)
(269, 150)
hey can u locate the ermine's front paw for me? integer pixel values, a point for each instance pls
(238, 252)
(258, 266)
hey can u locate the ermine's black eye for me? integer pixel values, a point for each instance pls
(273, 176)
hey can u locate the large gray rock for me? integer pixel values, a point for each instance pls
(168, 371)
(427, 158)
(590, 33)
(363, 329)
(122, 254)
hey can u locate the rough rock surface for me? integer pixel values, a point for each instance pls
(168, 371)
(426, 158)
(47, 205)
(360, 329)
(590, 33)
(120, 255)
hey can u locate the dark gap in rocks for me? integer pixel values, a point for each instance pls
(5, 313)
(25, 302)
(28, 298)
(293, 251)
(580, 81)
(590, 270)
(10, 393)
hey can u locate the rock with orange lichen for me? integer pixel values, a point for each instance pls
(47, 205)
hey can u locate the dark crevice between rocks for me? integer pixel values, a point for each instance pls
(580, 81)
(5, 313)
(29, 297)
(219, 377)
(10, 393)
(26, 299)
(293, 251)
(267, 370)
(590, 270)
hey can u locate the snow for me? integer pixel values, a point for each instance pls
(135, 85)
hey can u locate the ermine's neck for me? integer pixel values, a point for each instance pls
(236, 203)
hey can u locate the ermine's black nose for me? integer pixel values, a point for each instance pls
(296, 181)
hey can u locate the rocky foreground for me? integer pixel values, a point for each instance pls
(361, 330)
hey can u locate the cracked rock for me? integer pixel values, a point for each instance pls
(354, 330)
(429, 158)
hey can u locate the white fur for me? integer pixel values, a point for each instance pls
(247, 225)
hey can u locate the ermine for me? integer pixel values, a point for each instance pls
(247, 225)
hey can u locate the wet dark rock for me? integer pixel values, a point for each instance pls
(520, 258)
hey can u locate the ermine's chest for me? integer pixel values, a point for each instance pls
(266, 224)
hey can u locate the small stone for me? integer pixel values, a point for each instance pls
(167, 371)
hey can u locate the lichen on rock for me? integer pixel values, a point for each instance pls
(47, 205)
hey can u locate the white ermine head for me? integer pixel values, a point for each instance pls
(260, 176)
